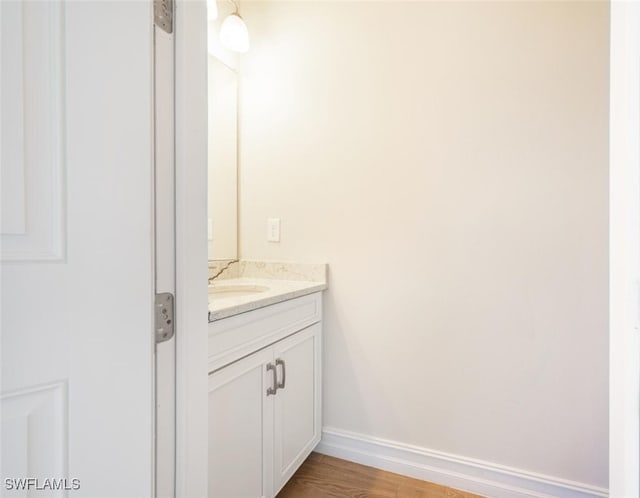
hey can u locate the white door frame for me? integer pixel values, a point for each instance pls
(191, 248)
(191, 253)
(624, 239)
(165, 239)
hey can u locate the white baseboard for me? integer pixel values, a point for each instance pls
(475, 476)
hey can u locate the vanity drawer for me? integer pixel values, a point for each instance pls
(238, 336)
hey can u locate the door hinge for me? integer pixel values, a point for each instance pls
(165, 324)
(163, 14)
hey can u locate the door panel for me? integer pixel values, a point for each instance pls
(33, 131)
(34, 419)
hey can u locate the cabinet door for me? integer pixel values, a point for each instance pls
(239, 414)
(297, 405)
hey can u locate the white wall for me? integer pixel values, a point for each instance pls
(449, 160)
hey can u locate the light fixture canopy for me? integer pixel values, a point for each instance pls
(234, 34)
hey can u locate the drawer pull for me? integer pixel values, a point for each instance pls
(274, 389)
(280, 385)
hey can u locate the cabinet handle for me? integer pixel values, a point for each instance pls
(274, 389)
(280, 385)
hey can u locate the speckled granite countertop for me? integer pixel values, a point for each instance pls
(282, 281)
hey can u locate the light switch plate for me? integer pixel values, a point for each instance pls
(273, 229)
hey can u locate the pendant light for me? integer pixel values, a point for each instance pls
(234, 34)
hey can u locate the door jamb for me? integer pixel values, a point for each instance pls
(624, 250)
(191, 248)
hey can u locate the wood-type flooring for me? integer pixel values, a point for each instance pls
(322, 476)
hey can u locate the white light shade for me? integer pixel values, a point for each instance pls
(212, 10)
(234, 34)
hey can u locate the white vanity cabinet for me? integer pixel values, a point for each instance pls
(264, 396)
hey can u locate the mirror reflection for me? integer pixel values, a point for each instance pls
(223, 157)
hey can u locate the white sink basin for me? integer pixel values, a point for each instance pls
(235, 290)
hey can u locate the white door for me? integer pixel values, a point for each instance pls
(76, 248)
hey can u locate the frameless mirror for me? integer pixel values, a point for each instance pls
(223, 161)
